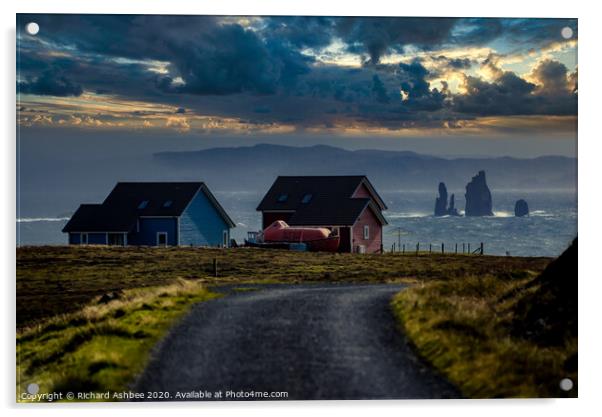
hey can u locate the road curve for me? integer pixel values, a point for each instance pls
(331, 341)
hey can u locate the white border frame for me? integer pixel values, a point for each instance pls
(590, 200)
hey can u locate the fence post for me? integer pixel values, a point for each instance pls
(442, 248)
(456, 248)
(215, 267)
(403, 251)
(481, 248)
(469, 248)
(430, 248)
(463, 247)
(417, 247)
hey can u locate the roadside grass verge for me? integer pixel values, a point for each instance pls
(463, 327)
(103, 346)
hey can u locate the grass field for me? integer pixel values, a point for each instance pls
(56, 280)
(68, 339)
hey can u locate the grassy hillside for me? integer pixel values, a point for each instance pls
(103, 346)
(57, 280)
(498, 336)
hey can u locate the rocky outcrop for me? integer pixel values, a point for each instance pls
(521, 208)
(441, 201)
(441, 208)
(452, 210)
(547, 312)
(478, 197)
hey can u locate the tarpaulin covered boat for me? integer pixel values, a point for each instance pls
(317, 239)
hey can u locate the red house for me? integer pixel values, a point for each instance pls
(347, 203)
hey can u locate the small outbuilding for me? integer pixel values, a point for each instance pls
(153, 214)
(348, 204)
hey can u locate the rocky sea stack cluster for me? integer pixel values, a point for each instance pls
(478, 197)
(441, 207)
(478, 200)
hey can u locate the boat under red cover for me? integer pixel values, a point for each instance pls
(317, 239)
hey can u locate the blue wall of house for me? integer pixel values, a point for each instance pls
(74, 238)
(148, 229)
(97, 239)
(93, 238)
(201, 224)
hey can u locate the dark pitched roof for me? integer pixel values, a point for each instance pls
(130, 200)
(321, 200)
(334, 187)
(97, 218)
(333, 212)
(127, 196)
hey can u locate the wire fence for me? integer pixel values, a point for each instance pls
(463, 248)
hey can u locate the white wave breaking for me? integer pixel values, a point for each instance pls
(407, 215)
(503, 214)
(41, 219)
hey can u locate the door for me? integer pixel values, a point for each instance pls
(161, 238)
(225, 239)
(116, 239)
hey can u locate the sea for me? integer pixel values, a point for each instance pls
(547, 231)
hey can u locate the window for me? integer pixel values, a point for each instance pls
(306, 198)
(167, 204)
(282, 198)
(366, 232)
(83, 239)
(143, 204)
(161, 238)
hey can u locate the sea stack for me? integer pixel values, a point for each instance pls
(452, 210)
(521, 208)
(441, 208)
(441, 201)
(478, 197)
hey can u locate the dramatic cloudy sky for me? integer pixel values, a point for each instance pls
(369, 82)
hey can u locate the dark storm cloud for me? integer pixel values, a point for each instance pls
(69, 75)
(552, 76)
(511, 95)
(379, 90)
(454, 63)
(50, 83)
(478, 31)
(536, 33)
(263, 73)
(302, 31)
(211, 58)
(231, 60)
(378, 35)
(419, 94)
(130, 36)
(539, 32)
(508, 95)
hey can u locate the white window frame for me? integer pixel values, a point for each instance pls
(366, 232)
(157, 239)
(81, 238)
